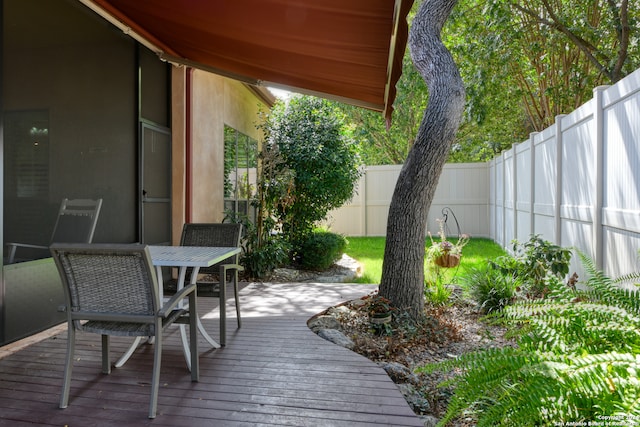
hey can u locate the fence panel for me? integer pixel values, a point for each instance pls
(545, 166)
(523, 206)
(463, 187)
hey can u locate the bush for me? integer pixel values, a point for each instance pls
(262, 250)
(491, 288)
(533, 261)
(316, 145)
(261, 260)
(321, 249)
(576, 360)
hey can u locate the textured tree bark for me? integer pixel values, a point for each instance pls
(403, 266)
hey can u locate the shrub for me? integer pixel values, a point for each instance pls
(260, 261)
(262, 251)
(437, 293)
(533, 261)
(264, 247)
(321, 249)
(576, 361)
(490, 287)
(316, 144)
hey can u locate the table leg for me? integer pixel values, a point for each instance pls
(183, 328)
(205, 334)
(123, 359)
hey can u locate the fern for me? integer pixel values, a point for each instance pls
(606, 289)
(577, 360)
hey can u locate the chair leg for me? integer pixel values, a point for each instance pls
(68, 366)
(106, 361)
(235, 292)
(155, 376)
(223, 307)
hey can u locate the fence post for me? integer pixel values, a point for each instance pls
(504, 199)
(598, 116)
(532, 182)
(558, 199)
(363, 203)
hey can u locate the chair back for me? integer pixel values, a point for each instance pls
(107, 282)
(76, 222)
(213, 235)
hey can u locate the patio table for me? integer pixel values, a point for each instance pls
(184, 257)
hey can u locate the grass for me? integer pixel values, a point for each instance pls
(369, 251)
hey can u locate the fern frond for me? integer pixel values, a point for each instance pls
(577, 359)
(558, 290)
(608, 290)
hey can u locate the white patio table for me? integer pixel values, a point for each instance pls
(184, 257)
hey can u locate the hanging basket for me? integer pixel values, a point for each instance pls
(447, 260)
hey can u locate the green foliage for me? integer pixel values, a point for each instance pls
(490, 287)
(576, 360)
(264, 248)
(437, 293)
(316, 145)
(522, 62)
(380, 145)
(533, 261)
(262, 251)
(321, 249)
(537, 58)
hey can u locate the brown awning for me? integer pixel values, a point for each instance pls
(350, 50)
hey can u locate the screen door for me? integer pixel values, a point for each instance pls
(155, 209)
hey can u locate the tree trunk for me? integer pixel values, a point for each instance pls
(403, 266)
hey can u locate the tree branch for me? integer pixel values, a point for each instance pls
(582, 44)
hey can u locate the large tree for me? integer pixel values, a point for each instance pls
(403, 267)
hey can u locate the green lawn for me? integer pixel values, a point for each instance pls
(369, 251)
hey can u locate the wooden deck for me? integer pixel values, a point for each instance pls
(273, 371)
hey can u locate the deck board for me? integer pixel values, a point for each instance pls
(273, 371)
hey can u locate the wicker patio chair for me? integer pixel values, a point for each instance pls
(113, 290)
(218, 235)
(76, 223)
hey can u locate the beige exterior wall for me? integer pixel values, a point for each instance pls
(215, 101)
(178, 151)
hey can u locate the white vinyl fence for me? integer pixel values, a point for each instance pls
(463, 187)
(577, 184)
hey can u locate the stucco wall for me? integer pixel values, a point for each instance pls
(215, 101)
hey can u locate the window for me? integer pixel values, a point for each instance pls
(240, 168)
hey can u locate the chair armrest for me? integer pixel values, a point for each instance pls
(13, 246)
(227, 267)
(179, 296)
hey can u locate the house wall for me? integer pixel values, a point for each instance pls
(204, 103)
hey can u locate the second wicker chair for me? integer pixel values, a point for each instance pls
(218, 235)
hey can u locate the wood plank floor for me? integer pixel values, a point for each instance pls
(273, 371)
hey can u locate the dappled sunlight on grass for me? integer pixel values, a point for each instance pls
(369, 251)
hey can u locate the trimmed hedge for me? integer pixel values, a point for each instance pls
(321, 250)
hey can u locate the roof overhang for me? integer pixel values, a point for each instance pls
(347, 50)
